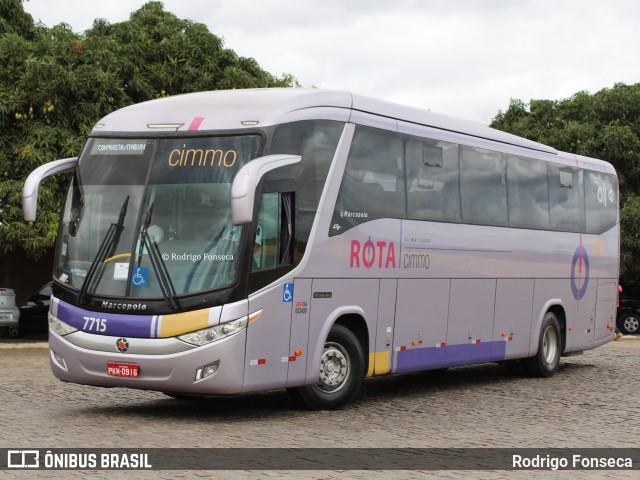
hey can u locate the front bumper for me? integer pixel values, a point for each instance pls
(173, 372)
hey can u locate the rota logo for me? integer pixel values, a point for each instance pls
(382, 254)
(579, 273)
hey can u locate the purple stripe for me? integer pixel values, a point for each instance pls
(115, 324)
(415, 359)
(468, 353)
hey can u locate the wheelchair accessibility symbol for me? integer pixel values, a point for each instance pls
(287, 293)
(139, 277)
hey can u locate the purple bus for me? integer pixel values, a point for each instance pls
(239, 241)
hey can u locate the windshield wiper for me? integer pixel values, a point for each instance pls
(106, 250)
(160, 269)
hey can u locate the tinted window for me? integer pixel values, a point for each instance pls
(528, 193)
(189, 199)
(566, 198)
(316, 142)
(265, 245)
(483, 186)
(433, 191)
(373, 182)
(601, 201)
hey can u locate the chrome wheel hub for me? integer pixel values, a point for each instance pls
(334, 368)
(550, 345)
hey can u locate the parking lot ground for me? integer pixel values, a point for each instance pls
(592, 402)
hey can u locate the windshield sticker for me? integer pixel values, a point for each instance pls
(118, 148)
(202, 160)
(139, 277)
(200, 157)
(121, 271)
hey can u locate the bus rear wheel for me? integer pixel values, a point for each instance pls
(545, 362)
(341, 373)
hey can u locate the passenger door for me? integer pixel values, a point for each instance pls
(268, 335)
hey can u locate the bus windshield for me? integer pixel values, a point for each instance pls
(172, 196)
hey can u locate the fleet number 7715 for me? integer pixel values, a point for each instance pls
(92, 324)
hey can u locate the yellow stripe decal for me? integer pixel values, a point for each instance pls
(382, 362)
(371, 362)
(179, 323)
(379, 363)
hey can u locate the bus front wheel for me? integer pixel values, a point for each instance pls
(341, 372)
(546, 360)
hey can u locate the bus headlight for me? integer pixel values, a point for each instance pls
(60, 327)
(211, 334)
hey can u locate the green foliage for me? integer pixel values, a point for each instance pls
(57, 84)
(630, 239)
(604, 125)
(13, 19)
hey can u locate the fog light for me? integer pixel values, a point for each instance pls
(60, 361)
(206, 371)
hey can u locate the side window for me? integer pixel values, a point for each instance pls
(373, 183)
(433, 191)
(316, 141)
(601, 201)
(483, 186)
(528, 191)
(566, 198)
(273, 239)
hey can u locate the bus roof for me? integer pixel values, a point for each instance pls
(248, 108)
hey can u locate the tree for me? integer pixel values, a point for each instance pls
(13, 19)
(57, 84)
(604, 125)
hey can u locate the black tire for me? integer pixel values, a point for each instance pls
(15, 331)
(545, 362)
(629, 323)
(341, 373)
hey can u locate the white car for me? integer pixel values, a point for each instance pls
(9, 313)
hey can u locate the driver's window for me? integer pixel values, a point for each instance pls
(273, 240)
(265, 245)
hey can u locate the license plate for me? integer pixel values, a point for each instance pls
(129, 370)
(6, 316)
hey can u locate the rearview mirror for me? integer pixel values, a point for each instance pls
(35, 178)
(243, 189)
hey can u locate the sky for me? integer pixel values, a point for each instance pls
(465, 58)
